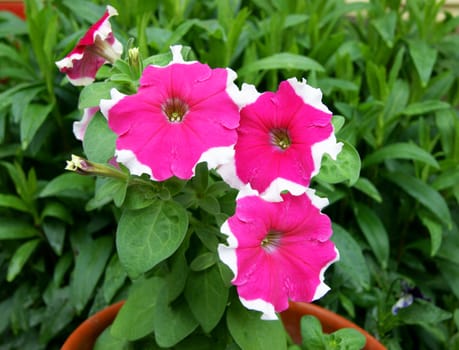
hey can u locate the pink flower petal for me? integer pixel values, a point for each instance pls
(97, 47)
(295, 110)
(204, 130)
(278, 251)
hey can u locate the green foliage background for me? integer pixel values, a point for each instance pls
(388, 69)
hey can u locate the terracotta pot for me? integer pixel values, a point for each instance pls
(84, 337)
(329, 320)
(16, 7)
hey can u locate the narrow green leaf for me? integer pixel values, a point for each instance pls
(33, 117)
(20, 257)
(385, 26)
(203, 261)
(207, 297)
(55, 234)
(149, 235)
(91, 94)
(251, 332)
(425, 107)
(400, 151)
(13, 202)
(351, 264)
(435, 229)
(58, 211)
(424, 194)
(366, 186)
(374, 231)
(424, 58)
(283, 61)
(139, 310)
(16, 229)
(423, 312)
(448, 270)
(89, 266)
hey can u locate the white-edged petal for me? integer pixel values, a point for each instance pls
(317, 201)
(227, 253)
(246, 95)
(266, 308)
(126, 157)
(309, 95)
(276, 187)
(322, 288)
(216, 156)
(80, 126)
(329, 146)
(67, 61)
(106, 105)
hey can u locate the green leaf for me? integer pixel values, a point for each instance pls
(91, 94)
(172, 322)
(364, 185)
(20, 257)
(99, 140)
(345, 168)
(312, 335)
(149, 235)
(13, 202)
(283, 61)
(55, 234)
(139, 310)
(106, 341)
(68, 185)
(400, 150)
(425, 107)
(351, 264)
(385, 26)
(203, 261)
(89, 265)
(348, 338)
(114, 278)
(424, 58)
(11, 25)
(33, 117)
(58, 211)
(435, 229)
(374, 231)
(423, 312)
(448, 269)
(251, 332)
(16, 229)
(207, 297)
(424, 194)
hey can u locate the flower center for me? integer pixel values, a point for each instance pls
(103, 49)
(174, 109)
(280, 138)
(271, 241)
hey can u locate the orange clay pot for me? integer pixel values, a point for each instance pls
(84, 337)
(330, 322)
(16, 7)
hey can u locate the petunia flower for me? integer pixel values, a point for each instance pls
(79, 127)
(181, 115)
(278, 251)
(282, 138)
(97, 47)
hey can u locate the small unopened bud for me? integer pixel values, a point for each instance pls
(134, 61)
(85, 167)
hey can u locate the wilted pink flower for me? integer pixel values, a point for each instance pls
(79, 127)
(181, 115)
(281, 140)
(278, 251)
(97, 47)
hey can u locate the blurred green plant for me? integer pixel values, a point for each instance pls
(389, 73)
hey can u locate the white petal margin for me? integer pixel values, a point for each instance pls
(246, 95)
(322, 288)
(128, 158)
(67, 61)
(276, 187)
(105, 28)
(309, 95)
(106, 105)
(317, 201)
(329, 146)
(227, 171)
(269, 314)
(227, 253)
(79, 127)
(216, 157)
(177, 56)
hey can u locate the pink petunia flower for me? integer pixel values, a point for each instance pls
(97, 47)
(281, 140)
(182, 114)
(278, 251)
(79, 127)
